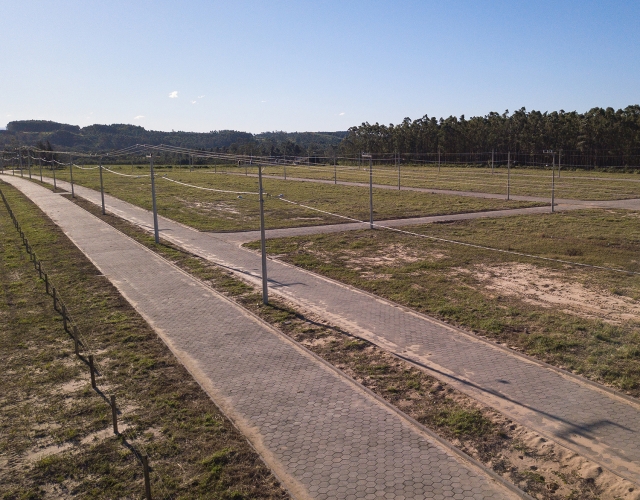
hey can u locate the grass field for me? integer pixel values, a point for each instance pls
(582, 185)
(56, 439)
(213, 211)
(498, 442)
(582, 319)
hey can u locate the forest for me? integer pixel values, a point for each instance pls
(599, 137)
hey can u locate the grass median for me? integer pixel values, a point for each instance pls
(583, 319)
(56, 439)
(216, 211)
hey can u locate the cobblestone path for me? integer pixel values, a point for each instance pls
(585, 417)
(323, 434)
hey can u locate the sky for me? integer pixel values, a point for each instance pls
(201, 65)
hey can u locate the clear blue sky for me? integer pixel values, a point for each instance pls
(310, 65)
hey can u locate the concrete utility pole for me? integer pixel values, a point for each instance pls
(263, 243)
(492, 152)
(20, 157)
(370, 188)
(156, 232)
(559, 156)
(509, 175)
(73, 194)
(438, 160)
(335, 170)
(102, 188)
(397, 155)
(40, 161)
(29, 162)
(553, 183)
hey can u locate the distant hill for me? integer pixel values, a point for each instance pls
(96, 138)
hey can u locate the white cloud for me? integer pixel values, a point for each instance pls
(200, 96)
(174, 94)
(341, 114)
(9, 114)
(263, 101)
(139, 117)
(193, 102)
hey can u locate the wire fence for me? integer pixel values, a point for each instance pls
(86, 352)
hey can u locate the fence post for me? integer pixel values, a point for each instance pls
(53, 168)
(114, 414)
(64, 318)
(40, 162)
(147, 481)
(55, 299)
(76, 341)
(92, 371)
(46, 282)
(21, 169)
(29, 163)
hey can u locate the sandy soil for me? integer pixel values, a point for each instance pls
(548, 288)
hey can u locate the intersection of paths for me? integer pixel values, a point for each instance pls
(324, 435)
(597, 424)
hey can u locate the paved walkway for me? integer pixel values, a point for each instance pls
(324, 435)
(582, 416)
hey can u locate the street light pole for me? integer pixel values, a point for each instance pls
(263, 243)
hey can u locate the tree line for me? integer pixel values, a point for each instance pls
(598, 137)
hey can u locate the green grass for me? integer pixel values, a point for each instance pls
(440, 279)
(582, 185)
(211, 211)
(47, 400)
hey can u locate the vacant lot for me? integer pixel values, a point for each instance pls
(540, 467)
(584, 185)
(56, 439)
(215, 211)
(582, 319)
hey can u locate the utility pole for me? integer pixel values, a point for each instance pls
(263, 243)
(335, 169)
(20, 157)
(492, 153)
(73, 194)
(29, 163)
(559, 156)
(40, 161)
(370, 188)
(509, 175)
(102, 187)
(53, 169)
(553, 183)
(156, 233)
(438, 160)
(397, 155)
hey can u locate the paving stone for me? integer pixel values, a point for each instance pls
(275, 391)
